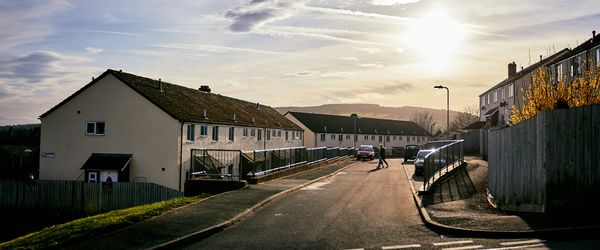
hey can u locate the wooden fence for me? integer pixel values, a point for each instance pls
(80, 197)
(547, 163)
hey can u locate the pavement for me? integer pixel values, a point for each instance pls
(456, 207)
(206, 217)
(459, 206)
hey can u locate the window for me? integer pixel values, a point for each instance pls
(268, 134)
(347, 137)
(259, 135)
(597, 56)
(408, 139)
(215, 133)
(245, 132)
(418, 139)
(333, 137)
(190, 132)
(366, 137)
(355, 137)
(322, 137)
(489, 98)
(372, 138)
(559, 70)
(501, 93)
(387, 138)
(94, 128)
(341, 137)
(400, 138)
(495, 95)
(394, 138)
(253, 132)
(510, 90)
(482, 100)
(286, 135)
(231, 133)
(203, 130)
(279, 133)
(380, 138)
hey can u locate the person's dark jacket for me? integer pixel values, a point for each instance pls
(382, 152)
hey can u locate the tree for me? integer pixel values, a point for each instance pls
(425, 120)
(465, 118)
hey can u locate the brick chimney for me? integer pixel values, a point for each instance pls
(512, 69)
(205, 88)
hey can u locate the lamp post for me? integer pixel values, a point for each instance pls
(447, 107)
(354, 116)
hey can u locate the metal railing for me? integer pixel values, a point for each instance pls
(443, 158)
(215, 164)
(262, 162)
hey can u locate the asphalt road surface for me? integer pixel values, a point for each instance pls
(359, 208)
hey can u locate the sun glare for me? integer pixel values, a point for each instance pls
(436, 37)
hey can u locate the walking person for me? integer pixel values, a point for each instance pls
(382, 157)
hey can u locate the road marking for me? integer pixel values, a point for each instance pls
(522, 242)
(519, 247)
(401, 246)
(463, 248)
(318, 185)
(452, 243)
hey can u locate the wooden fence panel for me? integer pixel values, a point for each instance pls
(79, 197)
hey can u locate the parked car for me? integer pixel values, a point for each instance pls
(410, 152)
(420, 160)
(365, 152)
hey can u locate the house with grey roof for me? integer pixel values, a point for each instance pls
(497, 102)
(573, 64)
(321, 130)
(128, 128)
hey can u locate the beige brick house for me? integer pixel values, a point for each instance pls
(123, 127)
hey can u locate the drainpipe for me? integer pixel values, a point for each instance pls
(180, 156)
(265, 138)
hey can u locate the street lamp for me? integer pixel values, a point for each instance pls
(354, 116)
(447, 107)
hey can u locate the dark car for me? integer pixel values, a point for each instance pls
(365, 152)
(410, 152)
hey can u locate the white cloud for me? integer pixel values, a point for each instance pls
(348, 58)
(370, 50)
(93, 51)
(258, 12)
(215, 48)
(392, 2)
(302, 73)
(337, 74)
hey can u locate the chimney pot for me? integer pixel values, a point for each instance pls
(160, 85)
(204, 88)
(540, 58)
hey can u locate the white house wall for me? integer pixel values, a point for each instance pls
(399, 141)
(310, 139)
(133, 126)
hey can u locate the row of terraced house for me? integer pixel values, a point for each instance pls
(122, 127)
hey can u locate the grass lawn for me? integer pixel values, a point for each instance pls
(86, 228)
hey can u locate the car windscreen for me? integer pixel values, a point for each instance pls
(365, 149)
(422, 154)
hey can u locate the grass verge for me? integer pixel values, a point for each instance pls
(89, 227)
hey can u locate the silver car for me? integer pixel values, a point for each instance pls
(420, 160)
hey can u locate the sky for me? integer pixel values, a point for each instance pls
(281, 53)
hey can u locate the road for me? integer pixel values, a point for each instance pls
(359, 208)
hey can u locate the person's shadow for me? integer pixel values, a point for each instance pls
(374, 170)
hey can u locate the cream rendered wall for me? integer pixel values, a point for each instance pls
(401, 141)
(133, 126)
(240, 142)
(310, 139)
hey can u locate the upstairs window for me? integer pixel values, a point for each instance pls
(510, 90)
(259, 135)
(347, 137)
(322, 137)
(489, 98)
(245, 132)
(495, 95)
(215, 133)
(333, 137)
(366, 137)
(559, 72)
(231, 133)
(203, 130)
(253, 132)
(372, 138)
(268, 134)
(355, 137)
(341, 137)
(279, 133)
(597, 52)
(387, 138)
(380, 138)
(190, 132)
(286, 135)
(94, 128)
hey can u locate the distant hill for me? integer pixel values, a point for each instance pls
(373, 111)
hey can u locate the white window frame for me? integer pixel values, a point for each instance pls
(322, 137)
(253, 132)
(488, 97)
(559, 70)
(203, 131)
(231, 134)
(511, 91)
(597, 56)
(332, 136)
(245, 132)
(190, 132)
(259, 134)
(95, 128)
(341, 137)
(495, 95)
(215, 133)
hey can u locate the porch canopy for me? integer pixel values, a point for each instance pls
(101, 161)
